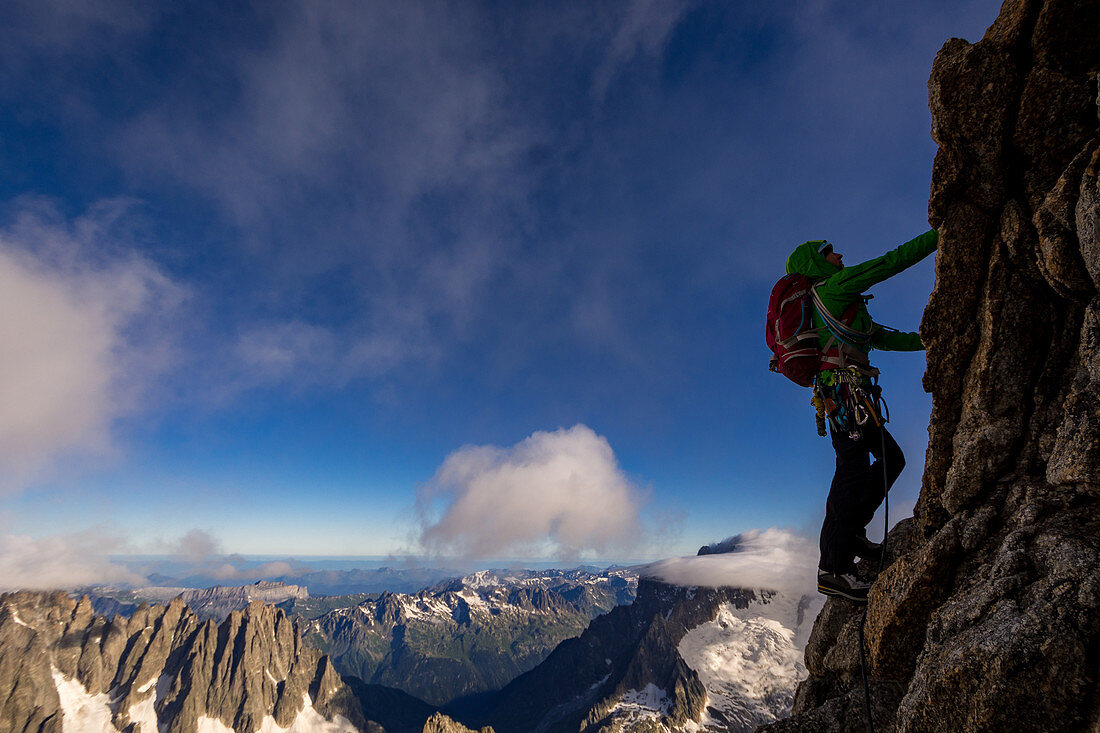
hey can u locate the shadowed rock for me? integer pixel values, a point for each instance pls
(987, 616)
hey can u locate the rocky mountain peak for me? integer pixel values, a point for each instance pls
(987, 616)
(161, 668)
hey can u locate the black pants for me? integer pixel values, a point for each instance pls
(857, 491)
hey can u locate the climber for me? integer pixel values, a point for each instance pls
(846, 386)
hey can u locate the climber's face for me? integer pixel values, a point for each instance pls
(835, 258)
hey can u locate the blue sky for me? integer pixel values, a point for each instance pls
(275, 271)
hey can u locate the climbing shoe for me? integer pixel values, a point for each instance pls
(868, 550)
(845, 585)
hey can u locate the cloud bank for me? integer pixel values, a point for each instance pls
(75, 560)
(775, 559)
(80, 312)
(61, 561)
(559, 492)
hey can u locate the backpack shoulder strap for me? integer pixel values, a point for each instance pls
(839, 330)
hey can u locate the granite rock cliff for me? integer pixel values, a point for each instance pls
(161, 668)
(988, 614)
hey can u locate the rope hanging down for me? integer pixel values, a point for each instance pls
(881, 561)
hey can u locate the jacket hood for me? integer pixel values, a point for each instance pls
(807, 260)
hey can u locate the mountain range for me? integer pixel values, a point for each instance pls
(469, 635)
(697, 659)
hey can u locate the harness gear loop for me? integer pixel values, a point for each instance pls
(851, 400)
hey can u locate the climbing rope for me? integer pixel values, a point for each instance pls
(881, 561)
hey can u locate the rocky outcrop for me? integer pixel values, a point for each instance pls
(988, 615)
(162, 666)
(440, 723)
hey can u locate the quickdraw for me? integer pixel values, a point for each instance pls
(850, 402)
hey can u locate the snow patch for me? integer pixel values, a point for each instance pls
(16, 619)
(650, 704)
(144, 715)
(424, 608)
(473, 600)
(307, 721)
(80, 711)
(145, 688)
(211, 725)
(481, 579)
(750, 659)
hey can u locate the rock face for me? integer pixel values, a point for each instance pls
(161, 668)
(988, 615)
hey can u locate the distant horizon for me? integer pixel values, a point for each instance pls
(384, 560)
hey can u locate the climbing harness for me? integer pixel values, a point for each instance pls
(850, 401)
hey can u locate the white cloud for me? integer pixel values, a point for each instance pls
(78, 559)
(774, 559)
(560, 491)
(227, 571)
(305, 354)
(643, 29)
(194, 546)
(80, 335)
(61, 561)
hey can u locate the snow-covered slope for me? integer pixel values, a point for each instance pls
(750, 660)
(711, 643)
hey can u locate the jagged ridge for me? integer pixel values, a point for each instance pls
(162, 659)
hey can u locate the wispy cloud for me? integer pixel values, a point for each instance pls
(643, 29)
(85, 326)
(370, 143)
(73, 560)
(37, 27)
(559, 492)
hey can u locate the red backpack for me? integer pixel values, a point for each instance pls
(790, 334)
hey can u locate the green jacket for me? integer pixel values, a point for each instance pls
(840, 288)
